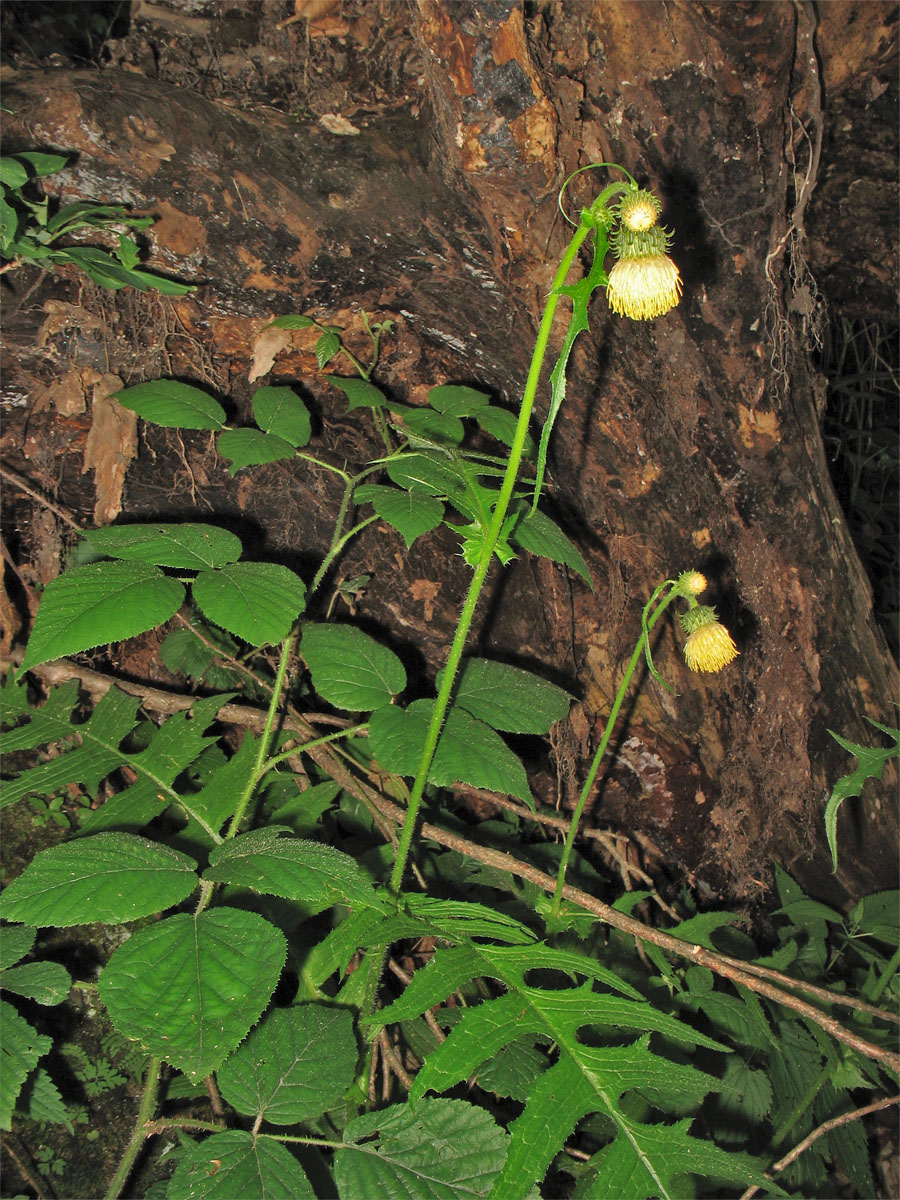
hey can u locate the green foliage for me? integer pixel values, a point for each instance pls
(256, 877)
(31, 233)
(870, 764)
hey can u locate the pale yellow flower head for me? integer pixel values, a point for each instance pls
(644, 287)
(709, 646)
(639, 210)
(692, 583)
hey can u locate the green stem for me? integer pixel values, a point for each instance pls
(500, 509)
(139, 1135)
(265, 740)
(886, 976)
(638, 652)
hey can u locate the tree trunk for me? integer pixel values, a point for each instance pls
(691, 441)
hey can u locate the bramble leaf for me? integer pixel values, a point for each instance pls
(170, 403)
(190, 987)
(236, 1163)
(258, 602)
(189, 546)
(508, 698)
(350, 669)
(251, 448)
(280, 411)
(410, 513)
(102, 602)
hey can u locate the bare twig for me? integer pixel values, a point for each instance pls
(820, 1131)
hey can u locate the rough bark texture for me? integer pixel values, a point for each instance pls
(691, 441)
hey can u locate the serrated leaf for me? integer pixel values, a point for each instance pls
(457, 400)
(190, 546)
(359, 392)
(870, 764)
(433, 1150)
(648, 1162)
(410, 513)
(468, 750)
(20, 1048)
(112, 877)
(235, 1163)
(541, 536)
(428, 472)
(508, 698)
(328, 345)
(40, 1100)
(273, 865)
(258, 602)
(280, 411)
(175, 405)
(350, 669)
(44, 982)
(251, 447)
(190, 987)
(294, 1066)
(103, 602)
(584, 1079)
(15, 943)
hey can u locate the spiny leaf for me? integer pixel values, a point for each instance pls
(870, 765)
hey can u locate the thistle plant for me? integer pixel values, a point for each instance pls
(225, 867)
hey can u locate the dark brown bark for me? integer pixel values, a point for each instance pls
(691, 441)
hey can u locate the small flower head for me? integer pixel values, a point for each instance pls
(643, 287)
(691, 583)
(639, 211)
(709, 646)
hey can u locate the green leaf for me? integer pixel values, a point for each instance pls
(457, 400)
(442, 428)
(538, 534)
(112, 877)
(258, 602)
(433, 1150)
(273, 865)
(15, 943)
(468, 750)
(13, 174)
(232, 1164)
(350, 669)
(9, 225)
(295, 1065)
(190, 987)
(20, 1048)
(650, 1161)
(280, 411)
(508, 698)
(410, 513)
(42, 163)
(41, 1101)
(501, 424)
(190, 546)
(359, 392)
(291, 321)
(252, 447)
(870, 765)
(45, 982)
(328, 345)
(103, 602)
(175, 405)
(429, 472)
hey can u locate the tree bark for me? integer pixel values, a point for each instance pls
(691, 441)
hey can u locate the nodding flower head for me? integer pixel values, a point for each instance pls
(644, 283)
(709, 646)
